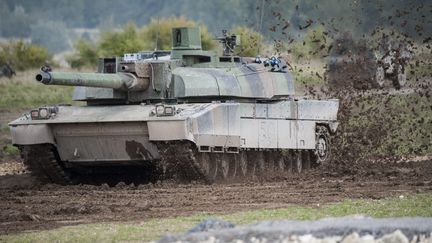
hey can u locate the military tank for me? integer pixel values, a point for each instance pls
(186, 113)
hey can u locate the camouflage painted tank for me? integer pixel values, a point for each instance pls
(187, 113)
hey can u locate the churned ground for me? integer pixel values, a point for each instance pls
(145, 212)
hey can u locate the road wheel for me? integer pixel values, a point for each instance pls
(306, 160)
(269, 161)
(289, 161)
(279, 162)
(208, 165)
(323, 147)
(256, 163)
(297, 162)
(226, 166)
(243, 164)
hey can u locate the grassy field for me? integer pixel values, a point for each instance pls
(147, 230)
(22, 92)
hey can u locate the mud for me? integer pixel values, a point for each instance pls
(26, 205)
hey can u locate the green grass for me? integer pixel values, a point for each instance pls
(22, 91)
(18, 95)
(10, 150)
(411, 205)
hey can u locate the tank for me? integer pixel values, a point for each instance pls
(187, 114)
(354, 64)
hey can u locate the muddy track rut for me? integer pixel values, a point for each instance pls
(26, 205)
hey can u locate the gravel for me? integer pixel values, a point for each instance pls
(345, 229)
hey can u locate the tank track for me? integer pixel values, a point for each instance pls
(181, 160)
(42, 163)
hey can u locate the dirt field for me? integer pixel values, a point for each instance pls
(25, 205)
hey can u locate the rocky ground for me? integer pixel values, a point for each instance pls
(346, 230)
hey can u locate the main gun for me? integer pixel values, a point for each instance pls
(123, 81)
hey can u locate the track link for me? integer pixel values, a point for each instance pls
(181, 160)
(42, 162)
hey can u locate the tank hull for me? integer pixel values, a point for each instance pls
(135, 135)
(212, 127)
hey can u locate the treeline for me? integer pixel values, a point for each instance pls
(129, 39)
(154, 36)
(46, 21)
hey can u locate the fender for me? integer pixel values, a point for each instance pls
(31, 134)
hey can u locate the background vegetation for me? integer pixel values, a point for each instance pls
(154, 36)
(22, 56)
(50, 22)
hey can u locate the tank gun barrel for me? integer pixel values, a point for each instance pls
(118, 81)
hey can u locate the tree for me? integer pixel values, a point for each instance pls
(50, 34)
(116, 43)
(86, 54)
(15, 23)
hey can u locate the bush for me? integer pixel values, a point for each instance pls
(23, 56)
(117, 43)
(86, 55)
(250, 41)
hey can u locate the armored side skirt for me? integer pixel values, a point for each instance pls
(214, 127)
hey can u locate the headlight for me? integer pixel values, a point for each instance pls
(160, 110)
(44, 113)
(165, 110)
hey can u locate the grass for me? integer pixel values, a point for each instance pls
(10, 150)
(411, 205)
(22, 91)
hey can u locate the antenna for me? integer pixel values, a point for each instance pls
(157, 33)
(260, 24)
